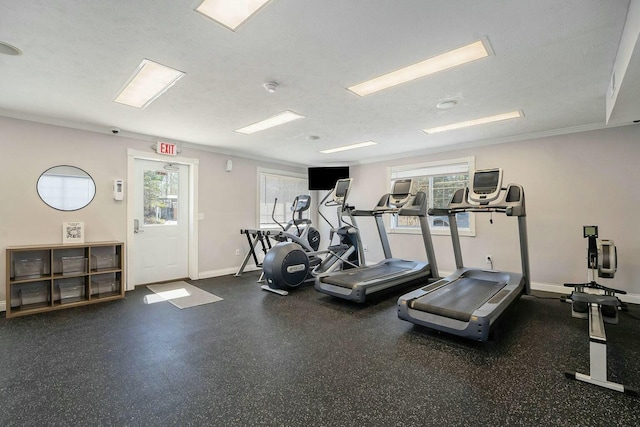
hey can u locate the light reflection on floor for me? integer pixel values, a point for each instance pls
(166, 296)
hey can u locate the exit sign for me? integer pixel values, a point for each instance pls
(166, 148)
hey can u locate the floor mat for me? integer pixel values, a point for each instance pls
(181, 294)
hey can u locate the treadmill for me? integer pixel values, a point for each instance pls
(356, 283)
(468, 302)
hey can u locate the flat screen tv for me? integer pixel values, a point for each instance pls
(324, 178)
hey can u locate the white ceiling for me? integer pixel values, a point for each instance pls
(553, 59)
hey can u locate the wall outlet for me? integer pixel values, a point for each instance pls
(237, 252)
(487, 259)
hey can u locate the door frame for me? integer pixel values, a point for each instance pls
(132, 156)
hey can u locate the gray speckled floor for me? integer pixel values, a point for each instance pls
(307, 359)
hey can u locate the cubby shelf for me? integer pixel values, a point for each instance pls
(42, 278)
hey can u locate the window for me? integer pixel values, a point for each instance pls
(439, 180)
(66, 191)
(284, 186)
(161, 197)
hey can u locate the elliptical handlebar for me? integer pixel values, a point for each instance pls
(293, 214)
(328, 203)
(342, 185)
(273, 214)
(300, 203)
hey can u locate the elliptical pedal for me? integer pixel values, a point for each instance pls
(275, 291)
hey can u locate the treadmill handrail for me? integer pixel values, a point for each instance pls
(362, 212)
(443, 212)
(511, 202)
(438, 212)
(414, 207)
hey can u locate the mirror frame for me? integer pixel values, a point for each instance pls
(49, 203)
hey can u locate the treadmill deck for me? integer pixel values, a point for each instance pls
(459, 298)
(466, 303)
(362, 276)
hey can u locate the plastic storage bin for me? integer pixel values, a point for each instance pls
(104, 262)
(73, 265)
(70, 292)
(28, 268)
(33, 295)
(104, 286)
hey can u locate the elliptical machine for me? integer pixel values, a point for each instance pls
(291, 263)
(599, 307)
(305, 235)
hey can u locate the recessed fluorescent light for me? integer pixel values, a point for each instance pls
(462, 55)
(348, 147)
(278, 119)
(230, 13)
(148, 82)
(481, 121)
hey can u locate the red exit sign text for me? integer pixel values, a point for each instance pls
(167, 148)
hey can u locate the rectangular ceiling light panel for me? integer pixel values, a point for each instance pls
(453, 58)
(497, 118)
(148, 82)
(349, 147)
(278, 119)
(230, 13)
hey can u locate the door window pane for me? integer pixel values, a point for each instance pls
(161, 197)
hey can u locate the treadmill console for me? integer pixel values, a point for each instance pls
(400, 192)
(485, 185)
(341, 190)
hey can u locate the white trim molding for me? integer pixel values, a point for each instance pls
(224, 272)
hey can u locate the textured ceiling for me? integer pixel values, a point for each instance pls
(552, 59)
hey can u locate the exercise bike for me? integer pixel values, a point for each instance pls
(292, 262)
(600, 306)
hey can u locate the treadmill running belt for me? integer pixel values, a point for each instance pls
(350, 278)
(459, 299)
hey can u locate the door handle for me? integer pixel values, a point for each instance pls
(136, 227)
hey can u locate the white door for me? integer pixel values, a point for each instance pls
(161, 221)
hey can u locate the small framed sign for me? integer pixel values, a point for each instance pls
(73, 232)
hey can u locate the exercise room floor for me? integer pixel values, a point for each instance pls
(304, 360)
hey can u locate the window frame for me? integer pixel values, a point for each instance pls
(289, 174)
(436, 168)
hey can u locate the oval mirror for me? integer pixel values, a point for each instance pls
(66, 188)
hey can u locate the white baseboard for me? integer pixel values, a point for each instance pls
(224, 272)
(3, 306)
(252, 268)
(546, 287)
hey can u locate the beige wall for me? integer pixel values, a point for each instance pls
(569, 181)
(227, 200)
